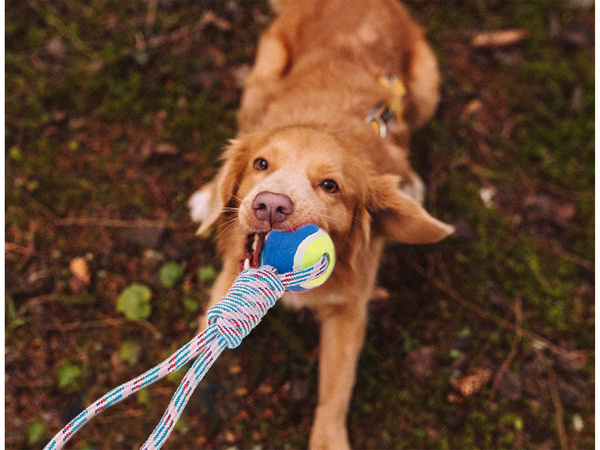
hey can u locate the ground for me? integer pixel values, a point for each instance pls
(117, 111)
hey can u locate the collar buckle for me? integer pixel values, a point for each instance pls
(384, 112)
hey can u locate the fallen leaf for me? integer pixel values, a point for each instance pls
(164, 148)
(486, 195)
(472, 383)
(80, 270)
(472, 108)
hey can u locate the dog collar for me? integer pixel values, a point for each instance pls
(383, 113)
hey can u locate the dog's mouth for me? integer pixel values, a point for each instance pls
(252, 248)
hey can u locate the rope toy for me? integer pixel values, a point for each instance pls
(230, 320)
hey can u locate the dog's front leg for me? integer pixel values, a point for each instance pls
(342, 336)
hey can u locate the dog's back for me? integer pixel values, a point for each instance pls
(377, 35)
(323, 60)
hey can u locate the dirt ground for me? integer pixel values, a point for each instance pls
(117, 111)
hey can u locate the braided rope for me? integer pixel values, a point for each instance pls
(230, 320)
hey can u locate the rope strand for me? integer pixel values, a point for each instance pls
(230, 320)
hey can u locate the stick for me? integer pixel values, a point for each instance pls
(560, 417)
(513, 349)
(114, 223)
(575, 259)
(16, 248)
(105, 323)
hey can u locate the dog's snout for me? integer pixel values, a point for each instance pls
(272, 208)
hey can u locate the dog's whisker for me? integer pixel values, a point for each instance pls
(235, 197)
(325, 216)
(228, 225)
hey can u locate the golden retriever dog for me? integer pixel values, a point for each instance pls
(324, 125)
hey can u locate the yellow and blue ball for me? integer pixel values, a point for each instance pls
(289, 251)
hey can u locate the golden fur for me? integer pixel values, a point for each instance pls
(314, 80)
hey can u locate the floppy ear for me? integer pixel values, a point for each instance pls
(207, 204)
(398, 217)
(360, 235)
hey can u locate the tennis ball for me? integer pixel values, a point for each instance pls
(289, 251)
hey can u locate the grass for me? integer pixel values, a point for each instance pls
(94, 90)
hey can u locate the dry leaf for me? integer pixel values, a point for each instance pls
(80, 270)
(473, 107)
(472, 383)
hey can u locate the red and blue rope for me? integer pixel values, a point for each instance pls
(230, 320)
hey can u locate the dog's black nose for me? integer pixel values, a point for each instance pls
(272, 208)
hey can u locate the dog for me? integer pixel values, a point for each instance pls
(324, 126)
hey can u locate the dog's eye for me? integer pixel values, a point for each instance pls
(329, 186)
(260, 164)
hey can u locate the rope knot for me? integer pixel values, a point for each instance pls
(245, 304)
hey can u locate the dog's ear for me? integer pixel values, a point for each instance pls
(207, 204)
(360, 235)
(398, 217)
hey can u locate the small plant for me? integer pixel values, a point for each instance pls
(134, 302)
(35, 431)
(130, 352)
(207, 274)
(170, 273)
(69, 376)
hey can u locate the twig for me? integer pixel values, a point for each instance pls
(150, 15)
(36, 301)
(183, 32)
(57, 24)
(114, 223)
(567, 194)
(560, 416)
(98, 221)
(27, 251)
(513, 349)
(43, 209)
(105, 323)
(572, 257)
(32, 384)
(484, 314)
(151, 328)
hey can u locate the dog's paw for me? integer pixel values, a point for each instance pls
(328, 434)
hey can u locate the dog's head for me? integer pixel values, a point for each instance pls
(293, 176)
